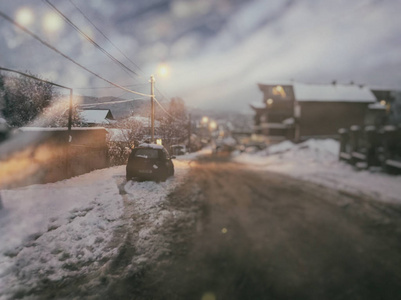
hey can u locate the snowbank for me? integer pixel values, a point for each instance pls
(45, 229)
(56, 230)
(317, 161)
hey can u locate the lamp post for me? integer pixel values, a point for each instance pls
(152, 108)
(162, 71)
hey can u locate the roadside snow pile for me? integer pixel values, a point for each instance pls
(49, 232)
(150, 210)
(317, 161)
(46, 230)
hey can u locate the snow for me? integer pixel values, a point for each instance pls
(47, 230)
(118, 135)
(332, 92)
(377, 105)
(317, 161)
(95, 116)
(153, 146)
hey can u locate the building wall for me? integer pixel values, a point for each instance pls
(325, 118)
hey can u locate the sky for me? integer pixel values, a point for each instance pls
(216, 51)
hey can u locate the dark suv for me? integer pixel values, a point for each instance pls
(149, 161)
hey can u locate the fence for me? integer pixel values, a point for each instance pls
(372, 147)
(42, 155)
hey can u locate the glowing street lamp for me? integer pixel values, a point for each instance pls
(163, 70)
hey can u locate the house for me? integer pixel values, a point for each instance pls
(299, 111)
(95, 117)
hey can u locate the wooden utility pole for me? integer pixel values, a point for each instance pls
(189, 133)
(152, 108)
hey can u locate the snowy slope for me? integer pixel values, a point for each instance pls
(56, 230)
(317, 161)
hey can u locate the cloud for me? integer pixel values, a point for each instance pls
(217, 50)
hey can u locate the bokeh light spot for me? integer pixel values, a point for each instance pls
(163, 70)
(52, 22)
(24, 16)
(208, 296)
(224, 230)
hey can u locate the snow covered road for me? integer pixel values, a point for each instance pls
(97, 227)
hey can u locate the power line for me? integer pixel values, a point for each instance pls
(110, 102)
(108, 87)
(7, 18)
(87, 18)
(88, 38)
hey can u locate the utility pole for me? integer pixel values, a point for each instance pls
(152, 108)
(189, 133)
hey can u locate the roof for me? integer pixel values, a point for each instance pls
(333, 93)
(97, 116)
(377, 105)
(25, 129)
(153, 146)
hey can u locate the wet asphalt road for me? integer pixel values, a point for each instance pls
(266, 236)
(243, 234)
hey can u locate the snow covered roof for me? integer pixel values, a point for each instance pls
(97, 116)
(333, 93)
(153, 146)
(377, 105)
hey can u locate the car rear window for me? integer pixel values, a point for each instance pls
(147, 153)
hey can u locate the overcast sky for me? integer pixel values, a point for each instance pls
(216, 50)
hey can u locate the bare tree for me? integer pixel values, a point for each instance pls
(174, 125)
(125, 135)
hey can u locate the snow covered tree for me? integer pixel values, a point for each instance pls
(24, 99)
(56, 114)
(126, 134)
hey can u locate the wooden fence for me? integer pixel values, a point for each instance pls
(372, 147)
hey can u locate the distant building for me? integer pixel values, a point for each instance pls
(299, 111)
(95, 117)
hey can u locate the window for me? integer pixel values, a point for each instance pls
(147, 153)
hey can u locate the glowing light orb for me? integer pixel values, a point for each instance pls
(209, 296)
(224, 230)
(205, 120)
(213, 125)
(52, 22)
(163, 70)
(24, 16)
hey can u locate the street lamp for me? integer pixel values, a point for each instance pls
(163, 72)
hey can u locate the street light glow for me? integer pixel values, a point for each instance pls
(212, 125)
(52, 22)
(163, 70)
(24, 16)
